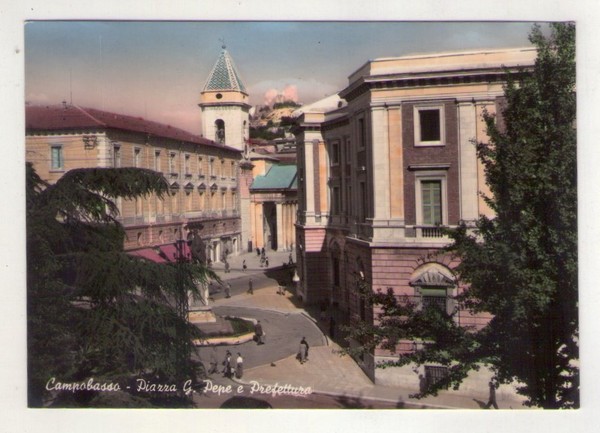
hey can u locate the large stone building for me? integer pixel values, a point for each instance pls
(381, 167)
(203, 175)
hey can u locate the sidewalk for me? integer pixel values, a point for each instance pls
(328, 372)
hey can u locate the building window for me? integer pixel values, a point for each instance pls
(200, 167)
(234, 200)
(429, 125)
(211, 167)
(116, 156)
(56, 157)
(219, 131)
(137, 155)
(335, 200)
(188, 200)
(431, 204)
(362, 134)
(348, 152)
(434, 298)
(186, 165)
(157, 162)
(174, 201)
(335, 153)
(233, 169)
(139, 207)
(172, 163)
(363, 202)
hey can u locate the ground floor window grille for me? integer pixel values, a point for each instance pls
(433, 374)
(435, 302)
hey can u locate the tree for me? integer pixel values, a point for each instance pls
(93, 310)
(521, 265)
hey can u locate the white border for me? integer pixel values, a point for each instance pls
(17, 418)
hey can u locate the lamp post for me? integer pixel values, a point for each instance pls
(296, 280)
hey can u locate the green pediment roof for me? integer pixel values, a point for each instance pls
(278, 177)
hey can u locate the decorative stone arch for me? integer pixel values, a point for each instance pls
(434, 285)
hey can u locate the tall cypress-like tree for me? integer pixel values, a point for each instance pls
(93, 310)
(521, 265)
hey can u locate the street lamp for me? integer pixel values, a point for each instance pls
(296, 280)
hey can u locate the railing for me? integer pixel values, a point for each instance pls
(429, 231)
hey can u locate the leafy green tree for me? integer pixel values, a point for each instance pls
(521, 265)
(94, 310)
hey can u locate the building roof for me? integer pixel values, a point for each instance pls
(71, 118)
(278, 177)
(328, 103)
(224, 75)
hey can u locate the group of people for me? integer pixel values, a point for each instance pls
(229, 369)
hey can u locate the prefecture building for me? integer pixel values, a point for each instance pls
(381, 167)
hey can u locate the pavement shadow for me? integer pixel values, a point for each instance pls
(283, 275)
(481, 404)
(349, 402)
(241, 402)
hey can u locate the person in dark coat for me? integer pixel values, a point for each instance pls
(227, 367)
(259, 332)
(303, 350)
(250, 287)
(492, 400)
(244, 266)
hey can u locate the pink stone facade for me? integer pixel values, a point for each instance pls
(381, 169)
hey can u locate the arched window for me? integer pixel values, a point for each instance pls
(433, 285)
(219, 131)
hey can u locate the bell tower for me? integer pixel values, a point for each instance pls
(225, 105)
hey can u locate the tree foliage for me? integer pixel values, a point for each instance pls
(521, 265)
(94, 310)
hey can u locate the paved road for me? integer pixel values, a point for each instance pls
(283, 334)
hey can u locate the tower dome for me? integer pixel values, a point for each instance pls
(225, 105)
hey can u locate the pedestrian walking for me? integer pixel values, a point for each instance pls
(244, 267)
(290, 260)
(226, 267)
(262, 251)
(303, 350)
(257, 252)
(239, 366)
(267, 261)
(228, 290)
(492, 400)
(259, 333)
(250, 287)
(227, 367)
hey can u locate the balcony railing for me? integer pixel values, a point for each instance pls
(429, 231)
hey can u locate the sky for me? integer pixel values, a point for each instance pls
(156, 69)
